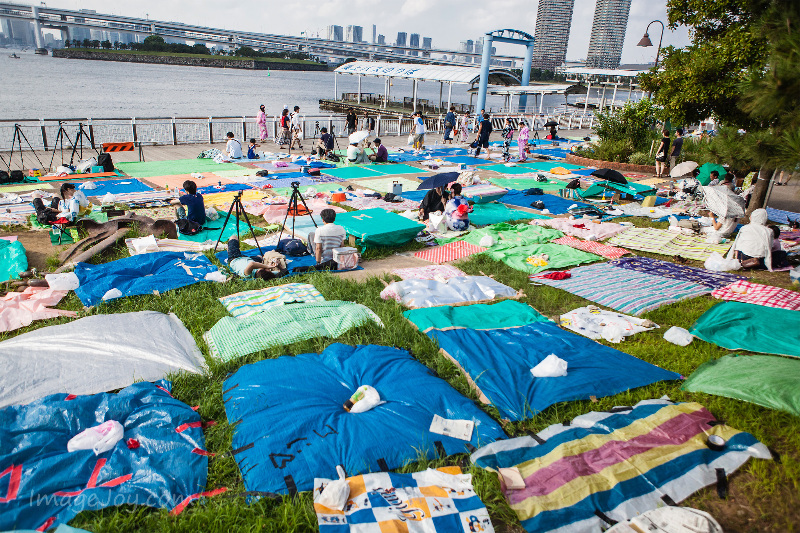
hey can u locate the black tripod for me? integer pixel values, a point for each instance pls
(237, 203)
(293, 208)
(79, 142)
(314, 140)
(19, 136)
(59, 144)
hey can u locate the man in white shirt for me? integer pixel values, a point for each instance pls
(234, 148)
(322, 241)
(355, 154)
(296, 129)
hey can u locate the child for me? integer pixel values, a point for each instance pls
(195, 208)
(272, 265)
(507, 134)
(251, 150)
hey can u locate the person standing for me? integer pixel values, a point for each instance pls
(369, 123)
(283, 138)
(297, 130)
(351, 120)
(449, 125)
(419, 131)
(507, 134)
(482, 137)
(464, 127)
(677, 145)
(661, 154)
(261, 120)
(522, 140)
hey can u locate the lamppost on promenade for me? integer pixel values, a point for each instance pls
(646, 42)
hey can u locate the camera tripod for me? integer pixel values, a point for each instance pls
(17, 139)
(294, 210)
(76, 145)
(314, 139)
(237, 204)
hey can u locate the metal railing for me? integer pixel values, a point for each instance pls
(52, 134)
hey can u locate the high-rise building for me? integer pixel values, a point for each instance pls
(413, 40)
(466, 46)
(335, 33)
(354, 34)
(553, 21)
(374, 34)
(608, 33)
(381, 39)
(401, 38)
(427, 43)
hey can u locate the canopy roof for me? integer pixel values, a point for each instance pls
(581, 71)
(544, 88)
(441, 73)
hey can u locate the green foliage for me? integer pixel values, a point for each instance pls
(639, 158)
(631, 126)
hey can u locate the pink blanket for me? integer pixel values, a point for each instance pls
(429, 272)
(609, 252)
(583, 228)
(19, 309)
(755, 293)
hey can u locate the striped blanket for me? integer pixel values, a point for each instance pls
(755, 293)
(665, 242)
(625, 290)
(171, 245)
(597, 248)
(449, 252)
(656, 267)
(247, 303)
(424, 502)
(611, 466)
(144, 196)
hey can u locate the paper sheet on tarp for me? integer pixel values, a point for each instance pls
(54, 485)
(616, 465)
(755, 328)
(300, 400)
(498, 361)
(429, 293)
(505, 314)
(95, 354)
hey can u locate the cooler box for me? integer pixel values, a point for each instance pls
(346, 258)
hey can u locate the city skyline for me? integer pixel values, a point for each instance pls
(448, 22)
(608, 33)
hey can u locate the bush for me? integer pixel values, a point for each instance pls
(639, 158)
(632, 125)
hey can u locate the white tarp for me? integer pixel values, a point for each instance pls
(431, 292)
(95, 354)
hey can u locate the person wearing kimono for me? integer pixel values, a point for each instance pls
(522, 140)
(261, 120)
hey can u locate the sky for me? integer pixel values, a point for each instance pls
(447, 21)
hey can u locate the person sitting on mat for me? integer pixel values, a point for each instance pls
(269, 266)
(435, 200)
(355, 154)
(381, 154)
(780, 259)
(45, 215)
(457, 210)
(251, 149)
(325, 142)
(74, 203)
(234, 148)
(322, 241)
(195, 208)
(753, 244)
(725, 227)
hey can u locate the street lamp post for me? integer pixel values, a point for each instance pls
(646, 42)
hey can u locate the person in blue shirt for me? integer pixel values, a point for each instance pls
(195, 208)
(251, 149)
(449, 124)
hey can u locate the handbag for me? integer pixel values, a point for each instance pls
(474, 144)
(410, 139)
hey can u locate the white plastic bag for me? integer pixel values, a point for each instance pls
(613, 332)
(410, 139)
(144, 245)
(108, 198)
(717, 263)
(551, 366)
(88, 185)
(67, 281)
(112, 293)
(336, 493)
(679, 336)
(487, 241)
(371, 399)
(212, 214)
(99, 439)
(86, 165)
(437, 222)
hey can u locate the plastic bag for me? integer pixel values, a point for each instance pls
(613, 332)
(88, 185)
(717, 263)
(67, 281)
(212, 214)
(410, 139)
(486, 241)
(99, 439)
(551, 366)
(679, 336)
(145, 245)
(112, 293)
(336, 493)
(108, 198)
(368, 398)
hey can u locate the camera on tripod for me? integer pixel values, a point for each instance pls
(295, 184)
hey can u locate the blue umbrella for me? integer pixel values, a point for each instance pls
(438, 180)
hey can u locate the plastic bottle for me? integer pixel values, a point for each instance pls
(357, 395)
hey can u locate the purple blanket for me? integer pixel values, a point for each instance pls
(656, 267)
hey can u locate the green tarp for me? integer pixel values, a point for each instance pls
(760, 379)
(522, 184)
(97, 216)
(234, 337)
(546, 166)
(212, 228)
(151, 169)
(755, 328)
(503, 169)
(12, 260)
(492, 213)
(504, 233)
(704, 176)
(559, 256)
(377, 227)
(633, 189)
(506, 314)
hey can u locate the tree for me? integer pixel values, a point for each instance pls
(106, 45)
(95, 43)
(200, 48)
(87, 43)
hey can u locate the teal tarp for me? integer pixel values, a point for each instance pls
(377, 227)
(12, 260)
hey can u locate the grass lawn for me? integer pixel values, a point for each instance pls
(764, 496)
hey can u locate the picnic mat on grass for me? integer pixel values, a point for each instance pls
(625, 290)
(168, 245)
(211, 230)
(522, 184)
(605, 466)
(505, 314)
(148, 169)
(764, 380)
(585, 228)
(389, 169)
(225, 187)
(498, 362)
(656, 267)
(291, 262)
(755, 293)
(430, 501)
(20, 309)
(546, 166)
(598, 248)
(493, 212)
(418, 293)
(782, 217)
(247, 303)
(300, 399)
(234, 337)
(225, 198)
(670, 243)
(559, 256)
(348, 173)
(508, 169)
(377, 227)
(429, 272)
(448, 252)
(505, 233)
(384, 185)
(371, 203)
(754, 328)
(555, 204)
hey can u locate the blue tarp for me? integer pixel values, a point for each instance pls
(279, 180)
(55, 485)
(141, 274)
(225, 187)
(291, 262)
(499, 362)
(468, 160)
(556, 204)
(289, 420)
(405, 157)
(117, 186)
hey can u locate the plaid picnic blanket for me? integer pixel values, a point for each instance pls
(625, 290)
(656, 267)
(609, 252)
(424, 502)
(247, 303)
(234, 337)
(665, 242)
(755, 293)
(449, 252)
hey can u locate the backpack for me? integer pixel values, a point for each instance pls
(534, 191)
(4, 177)
(105, 161)
(574, 184)
(292, 247)
(262, 173)
(188, 227)
(333, 157)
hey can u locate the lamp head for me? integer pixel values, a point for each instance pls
(645, 42)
